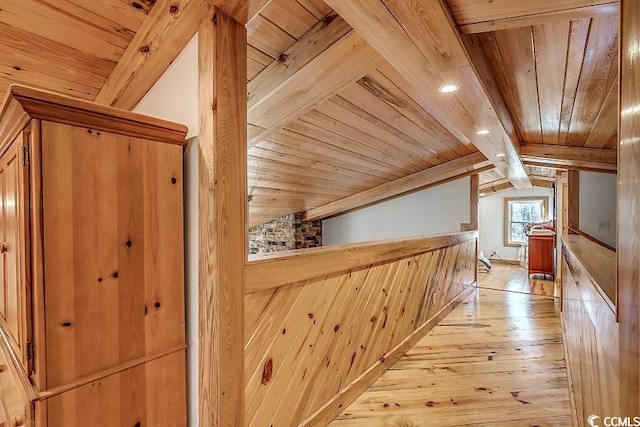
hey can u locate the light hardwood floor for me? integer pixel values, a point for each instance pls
(515, 279)
(496, 360)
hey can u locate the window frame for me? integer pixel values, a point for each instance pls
(507, 215)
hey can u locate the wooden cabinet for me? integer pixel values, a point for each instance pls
(14, 304)
(541, 253)
(92, 328)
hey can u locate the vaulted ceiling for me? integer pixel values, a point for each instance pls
(343, 105)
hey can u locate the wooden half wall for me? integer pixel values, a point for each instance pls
(590, 328)
(316, 341)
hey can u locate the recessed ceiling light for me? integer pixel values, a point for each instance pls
(483, 132)
(501, 155)
(448, 88)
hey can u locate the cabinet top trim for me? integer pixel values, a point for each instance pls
(24, 103)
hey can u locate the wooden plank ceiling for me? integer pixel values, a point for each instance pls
(331, 110)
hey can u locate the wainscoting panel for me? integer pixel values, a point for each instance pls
(314, 346)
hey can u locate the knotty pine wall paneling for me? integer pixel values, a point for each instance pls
(590, 330)
(310, 346)
(628, 294)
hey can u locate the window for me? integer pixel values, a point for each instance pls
(518, 213)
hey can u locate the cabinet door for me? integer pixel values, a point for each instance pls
(14, 295)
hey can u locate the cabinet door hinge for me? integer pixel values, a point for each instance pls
(25, 155)
(29, 350)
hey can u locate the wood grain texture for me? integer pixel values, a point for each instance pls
(474, 17)
(591, 335)
(369, 133)
(273, 33)
(309, 344)
(150, 394)
(576, 50)
(573, 200)
(496, 187)
(571, 157)
(23, 103)
(598, 74)
(222, 158)
(275, 270)
(629, 208)
(551, 62)
(16, 400)
(496, 360)
(38, 61)
(474, 194)
(598, 265)
(541, 255)
(536, 182)
(516, 49)
(467, 165)
(557, 77)
(15, 312)
(312, 84)
(100, 214)
(324, 34)
(75, 61)
(396, 31)
(352, 391)
(163, 35)
(110, 256)
(476, 48)
(242, 11)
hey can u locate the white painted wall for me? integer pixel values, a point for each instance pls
(492, 218)
(438, 209)
(174, 97)
(598, 200)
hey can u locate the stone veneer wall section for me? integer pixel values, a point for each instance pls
(284, 234)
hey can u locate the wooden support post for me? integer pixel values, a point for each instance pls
(573, 217)
(474, 198)
(222, 62)
(628, 294)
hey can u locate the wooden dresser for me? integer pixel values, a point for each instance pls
(92, 326)
(541, 245)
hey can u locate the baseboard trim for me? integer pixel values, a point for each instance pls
(353, 390)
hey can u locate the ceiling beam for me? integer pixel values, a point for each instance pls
(422, 43)
(444, 172)
(569, 157)
(320, 64)
(504, 184)
(324, 34)
(537, 182)
(541, 178)
(495, 187)
(241, 11)
(163, 34)
(473, 16)
(485, 73)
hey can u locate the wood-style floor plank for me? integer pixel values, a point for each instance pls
(496, 360)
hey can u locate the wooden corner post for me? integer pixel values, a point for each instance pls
(474, 203)
(573, 213)
(222, 143)
(628, 294)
